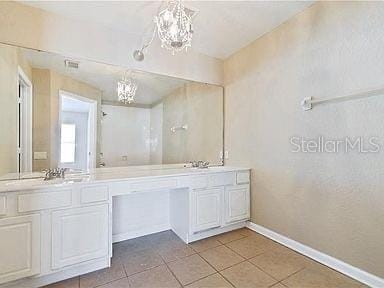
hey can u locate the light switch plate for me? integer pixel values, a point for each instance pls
(40, 156)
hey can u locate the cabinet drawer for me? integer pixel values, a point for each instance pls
(44, 200)
(222, 179)
(242, 177)
(3, 205)
(94, 194)
(154, 185)
(194, 182)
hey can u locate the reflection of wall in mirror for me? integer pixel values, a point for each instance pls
(156, 145)
(199, 106)
(125, 136)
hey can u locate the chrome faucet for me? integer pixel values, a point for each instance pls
(199, 164)
(54, 173)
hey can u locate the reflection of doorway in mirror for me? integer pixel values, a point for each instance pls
(24, 123)
(78, 126)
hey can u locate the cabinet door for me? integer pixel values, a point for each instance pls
(237, 203)
(79, 235)
(206, 209)
(19, 247)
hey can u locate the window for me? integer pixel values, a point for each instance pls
(68, 143)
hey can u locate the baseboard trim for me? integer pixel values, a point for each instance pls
(336, 264)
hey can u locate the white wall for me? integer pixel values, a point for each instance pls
(35, 28)
(156, 153)
(125, 132)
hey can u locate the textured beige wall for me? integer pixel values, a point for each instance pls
(46, 128)
(331, 202)
(41, 117)
(8, 112)
(199, 106)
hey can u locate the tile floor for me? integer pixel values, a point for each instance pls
(240, 258)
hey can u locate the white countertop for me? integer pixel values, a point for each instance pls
(100, 175)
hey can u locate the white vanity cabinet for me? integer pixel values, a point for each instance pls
(19, 247)
(237, 203)
(79, 234)
(206, 209)
(58, 231)
(213, 204)
(53, 230)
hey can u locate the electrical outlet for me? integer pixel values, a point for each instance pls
(226, 154)
(40, 155)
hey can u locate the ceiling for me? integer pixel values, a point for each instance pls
(221, 27)
(151, 87)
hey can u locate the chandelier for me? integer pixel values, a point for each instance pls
(126, 90)
(174, 27)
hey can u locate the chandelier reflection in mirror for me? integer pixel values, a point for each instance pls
(174, 27)
(126, 90)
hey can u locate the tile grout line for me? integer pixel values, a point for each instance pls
(173, 274)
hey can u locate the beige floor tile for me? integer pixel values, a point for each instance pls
(69, 283)
(213, 281)
(280, 263)
(246, 232)
(166, 240)
(205, 244)
(121, 283)
(319, 276)
(230, 236)
(190, 269)
(246, 275)
(221, 257)
(132, 246)
(141, 261)
(251, 246)
(154, 278)
(278, 285)
(173, 254)
(100, 277)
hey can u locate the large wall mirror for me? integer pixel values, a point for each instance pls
(63, 112)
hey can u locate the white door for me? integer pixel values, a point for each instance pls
(79, 234)
(19, 247)
(206, 209)
(237, 203)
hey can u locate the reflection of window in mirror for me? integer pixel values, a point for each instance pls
(68, 143)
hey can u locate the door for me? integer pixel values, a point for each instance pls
(237, 203)
(24, 123)
(19, 247)
(206, 209)
(79, 235)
